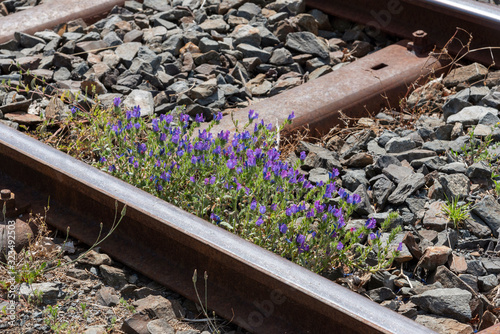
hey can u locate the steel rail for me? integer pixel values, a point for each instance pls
(365, 86)
(254, 288)
(439, 18)
(52, 13)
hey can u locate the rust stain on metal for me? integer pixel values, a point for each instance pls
(364, 86)
(439, 18)
(52, 13)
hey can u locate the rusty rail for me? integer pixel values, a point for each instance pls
(439, 18)
(52, 13)
(258, 290)
(366, 85)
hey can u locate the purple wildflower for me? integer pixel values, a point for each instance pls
(231, 163)
(112, 168)
(291, 116)
(303, 155)
(213, 216)
(259, 221)
(262, 209)
(252, 114)
(283, 228)
(400, 247)
(253, 205)
(371, 223)
(340, 246)
(117, 101)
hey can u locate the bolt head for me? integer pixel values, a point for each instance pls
(5, 193)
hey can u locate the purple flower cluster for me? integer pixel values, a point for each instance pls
(239, 172)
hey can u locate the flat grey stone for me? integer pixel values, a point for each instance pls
(397, 173)
(406, 187)
(141, 98)
(398, 144)
(455, 185)
(453, 303)
(382, 188)
(488, 210)
(414, 154)
(471, 115)
(454, 167)
(307, 42)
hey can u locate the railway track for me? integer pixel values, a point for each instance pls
(259, 291)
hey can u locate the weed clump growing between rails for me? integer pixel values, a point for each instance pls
(239, 182)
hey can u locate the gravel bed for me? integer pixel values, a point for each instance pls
(223, 55)
(445, 278)
(96, 295)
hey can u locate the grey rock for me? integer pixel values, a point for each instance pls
(207, 44)
(453, 303)
(95, 259)
(27, 41)
(477, 226)
(159, 5)
(130, 81)
(438, 146)
(475, 267)
(156, 306)
(385, 160)
(488, 119)
(492, 99)
(470, 280)
(248, 11)
(406, 187)
(465, 75)
(160, 326)
(62, 74)
(356, 143)
(443, 325)
(317, 175)
(307, 42)
(113, 276)
(107, 296)
(453, 105)
(471, 115)
(479, 170)
(293, 6)
(487, 283)
(281, 56)
(454, 167)
(112, 39)
(414, 154)
(380, 294)
(136, 324)
(141, 98)
(448, 238)
(384, 138)
(48, 292)
(363, 208)
(492, 266)
(127, 52)
(173, 44)
(397, 145)
(252, 51)
(95, 330)
(455, 185)
(246, 34)
(267, 38)
(353, 178)
(382, 188)
(397, 173)
(488, 210)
